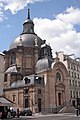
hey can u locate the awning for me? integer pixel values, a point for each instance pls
(5, 102)
(11, 69)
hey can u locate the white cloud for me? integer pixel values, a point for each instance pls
(60, 32)
(13, 5)
(71, 15)
(2, 16)
(33, 1)
(16, 5)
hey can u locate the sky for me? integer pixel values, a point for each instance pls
(56, 21)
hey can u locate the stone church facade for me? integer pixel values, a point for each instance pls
(33, 78)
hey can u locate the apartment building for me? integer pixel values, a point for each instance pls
(73, 66)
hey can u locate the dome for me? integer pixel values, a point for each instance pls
(43, 64)
(28, 40)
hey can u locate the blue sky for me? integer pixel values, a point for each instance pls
(57, 21)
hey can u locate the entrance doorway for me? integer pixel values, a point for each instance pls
(26, 103)
(39, 104)
(73, 103)
(59, 98)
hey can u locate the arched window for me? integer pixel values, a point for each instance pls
(58, 76)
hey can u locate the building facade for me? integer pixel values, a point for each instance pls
(33, 78)
(73, 67)
(1, 73)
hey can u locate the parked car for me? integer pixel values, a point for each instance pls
(13, 113)
(26, 112)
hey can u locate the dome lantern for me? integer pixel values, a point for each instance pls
(28, 25)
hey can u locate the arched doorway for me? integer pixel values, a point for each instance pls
(60, 94)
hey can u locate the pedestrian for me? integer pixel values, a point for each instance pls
(18, 113)
(8, 113)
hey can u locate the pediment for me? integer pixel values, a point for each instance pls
(60, 84)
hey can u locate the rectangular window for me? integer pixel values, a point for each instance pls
(70, 82)
(13, 59)
(26, 103)
(78, 75)
(77, 68)
(75, 75)
(76, 94)
(39, 91)
(79, 84)
(73, 94)
(18, 77)
(5, 78)
(69, 73)
(72, 74)
(26, 91)
(14, 98)
(75, 83)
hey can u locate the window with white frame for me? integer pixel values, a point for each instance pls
(70, 94)
(73, 94)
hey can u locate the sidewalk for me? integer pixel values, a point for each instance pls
(37, 115)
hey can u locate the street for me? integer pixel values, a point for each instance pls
(48, 117)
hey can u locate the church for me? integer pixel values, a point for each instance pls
(33, 78)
